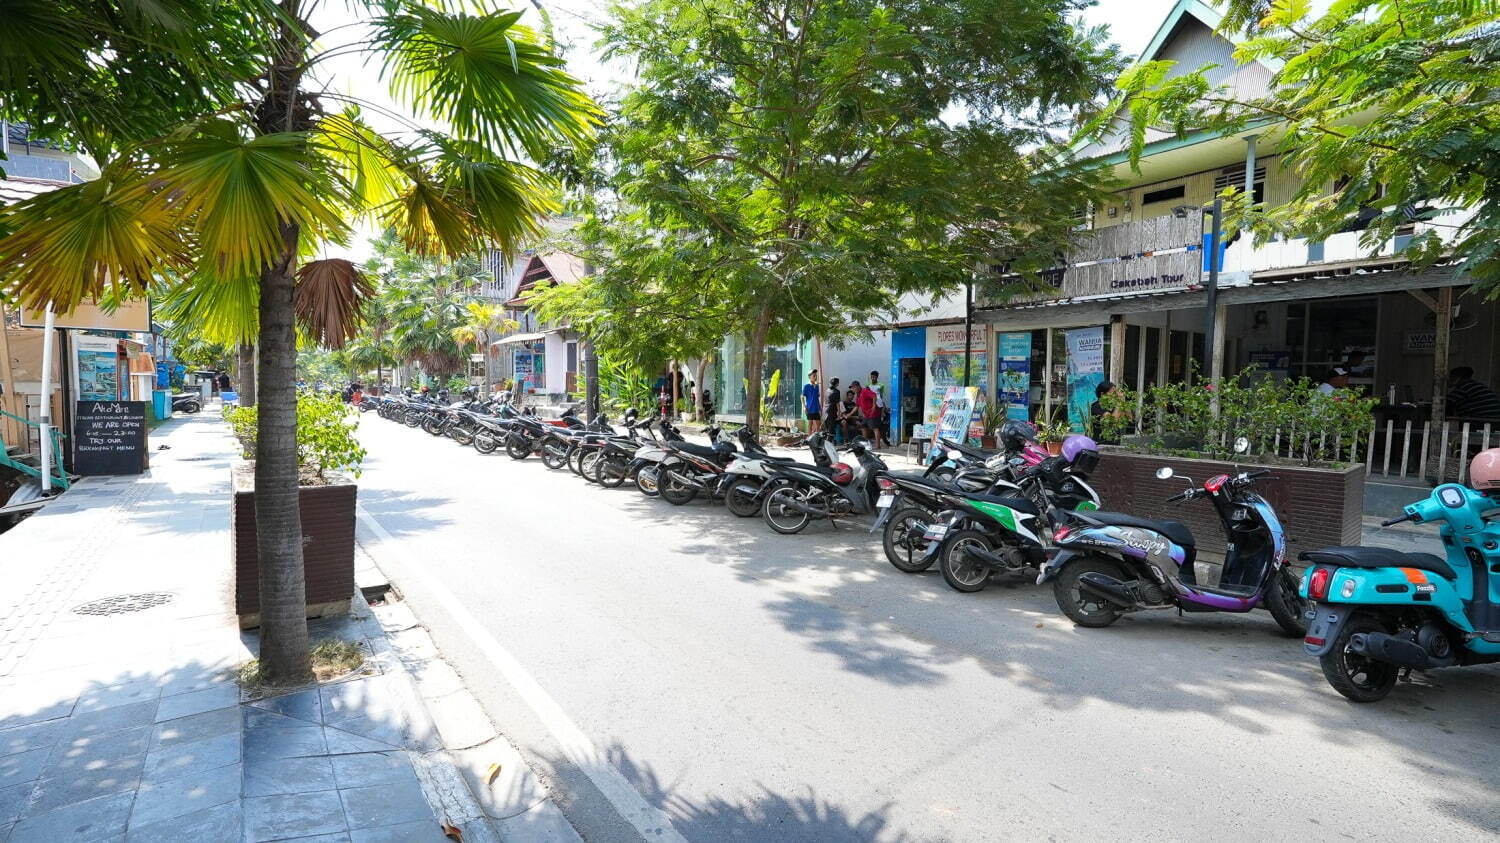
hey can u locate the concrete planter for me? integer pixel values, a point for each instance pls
(327, 547)
(1319, 507)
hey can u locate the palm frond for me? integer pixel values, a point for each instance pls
(220, 310)
(330, 294)
(486, 75)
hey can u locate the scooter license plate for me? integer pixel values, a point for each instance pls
(886, 499)
(935, 532)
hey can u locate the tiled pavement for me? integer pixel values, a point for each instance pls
(127, 726)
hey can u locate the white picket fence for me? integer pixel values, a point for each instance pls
(1404, 449)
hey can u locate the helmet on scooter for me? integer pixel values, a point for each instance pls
(1082, 453)
(1014, 434)
(842, 473)
(1484, 471)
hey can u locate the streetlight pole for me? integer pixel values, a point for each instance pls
(1211, 303)
(968, 325)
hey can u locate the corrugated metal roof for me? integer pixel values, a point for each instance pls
(14, 189)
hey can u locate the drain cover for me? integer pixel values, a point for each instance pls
(123, 603)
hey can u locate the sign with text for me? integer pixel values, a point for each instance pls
(1013, 383)
(109, 437)
(945, 363)
(956, 421)
(1085, 373)
(128, 315)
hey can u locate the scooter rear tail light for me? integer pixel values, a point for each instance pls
(884, 483)
(1317, 585)
(1062, 533)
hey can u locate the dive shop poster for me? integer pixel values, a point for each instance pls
(1013, 381)
(1085, 373)
(945, 364)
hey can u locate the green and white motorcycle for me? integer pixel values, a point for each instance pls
(983, 535)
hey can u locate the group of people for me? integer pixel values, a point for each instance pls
(859, 410)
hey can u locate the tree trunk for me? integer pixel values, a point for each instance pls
(278, 522)
(755, 358)
(247, 375)
(698, 371)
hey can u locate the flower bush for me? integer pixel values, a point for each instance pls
(1285, 418)
(325, 435)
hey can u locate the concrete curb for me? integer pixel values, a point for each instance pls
(511, 804)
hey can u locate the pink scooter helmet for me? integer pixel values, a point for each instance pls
(1484, 470)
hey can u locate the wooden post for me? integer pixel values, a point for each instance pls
(1442, 326)
(1117, 349)
(1140, 370)
(1164, 351)
(1216, 355)
(11, 432)
(1047, 381)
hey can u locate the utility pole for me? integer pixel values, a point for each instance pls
(1211, 303)
(590, 367)
(968, 325)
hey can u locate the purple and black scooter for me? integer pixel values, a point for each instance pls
(1115, 563)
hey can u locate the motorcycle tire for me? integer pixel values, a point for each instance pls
(1285, 605)
(190, 407)
(610, 472)
(432, 425)
(485, 443)
(903, 542)
(554, 456)
(1357, 677)
(1082, 607)
(588, 464)
(743, 498)
(780, 516)
(462, 436)
(575, 455)
(413, 420)
(677, 493)
(645, 481)
(959, 571)
(518, 449)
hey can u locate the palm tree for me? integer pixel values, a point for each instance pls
(485, 321)
(266, 166)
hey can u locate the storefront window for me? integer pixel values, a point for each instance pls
(729, 379)
(1333, 332)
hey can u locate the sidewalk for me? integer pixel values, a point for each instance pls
(119, 718)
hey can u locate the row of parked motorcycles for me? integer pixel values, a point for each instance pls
(1369, 614)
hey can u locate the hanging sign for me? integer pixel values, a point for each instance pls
(109, 437)
(1085, 373)
(945, 363)
(1013, 383)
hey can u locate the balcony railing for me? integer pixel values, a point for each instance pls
(1244, 257)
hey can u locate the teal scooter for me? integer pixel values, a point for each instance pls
(1380, 612)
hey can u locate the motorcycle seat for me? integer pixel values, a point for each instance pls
(708, 452)
(1018, 504)
(1176, 532)
(1378, 557)
(979, 454)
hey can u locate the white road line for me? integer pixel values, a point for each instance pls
(644, 817)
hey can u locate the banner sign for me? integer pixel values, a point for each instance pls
(109, 437)
(1085, 373)
(130, 315)
(945, 364)
(1013, 382)
(98, 368)
(957, 421)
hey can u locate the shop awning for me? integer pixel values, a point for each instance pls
(517, 338)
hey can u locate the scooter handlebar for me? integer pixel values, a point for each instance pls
(1389, 521)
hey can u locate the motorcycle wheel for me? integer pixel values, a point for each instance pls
(554, 456)
(484, 443)
(1285, 605)
(959, 571)
(412, 420)
(518, 449)
(1360, 678)
(432, 425)
(588, 464)
(610, 472)
(780, 516)
(645, 480)
(903, 540)
(1082, 607)
(743, 498)
(575, 456)
(191, 408)
(676, 492)
(461, 435)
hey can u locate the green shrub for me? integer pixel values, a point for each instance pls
(325, 434)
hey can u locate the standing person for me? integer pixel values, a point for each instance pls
(1468, 398)
(708, 405)
(812, 402)
(833, 411)
(1337, 378)
(882, 420)
(222, 381)
(869, 413)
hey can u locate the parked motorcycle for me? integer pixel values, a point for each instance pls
(747, 478)
(1380, 613)
(798, 492)
(1115, 563)
(187, 402)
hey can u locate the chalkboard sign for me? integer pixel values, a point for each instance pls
(109, 437)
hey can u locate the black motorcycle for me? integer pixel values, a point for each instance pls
(798, 492)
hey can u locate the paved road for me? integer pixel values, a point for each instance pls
(753, 686)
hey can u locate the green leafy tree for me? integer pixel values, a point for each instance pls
(249, 165)
(800, 165)
(425, 300)
(1385, 109)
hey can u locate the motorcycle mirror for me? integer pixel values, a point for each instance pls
(1241, 445)
(1164, 473)
(955, 456)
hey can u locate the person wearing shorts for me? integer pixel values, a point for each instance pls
(812, 402)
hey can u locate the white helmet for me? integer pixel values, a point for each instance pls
(1484, 471)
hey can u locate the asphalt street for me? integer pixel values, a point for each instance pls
(753, 686)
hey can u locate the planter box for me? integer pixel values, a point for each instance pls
(327, 547)
(1318, 507)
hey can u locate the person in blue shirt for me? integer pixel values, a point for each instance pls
(812, 402)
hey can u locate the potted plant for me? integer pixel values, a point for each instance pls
(991, 416)
(329, 457)
(1051, 432)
